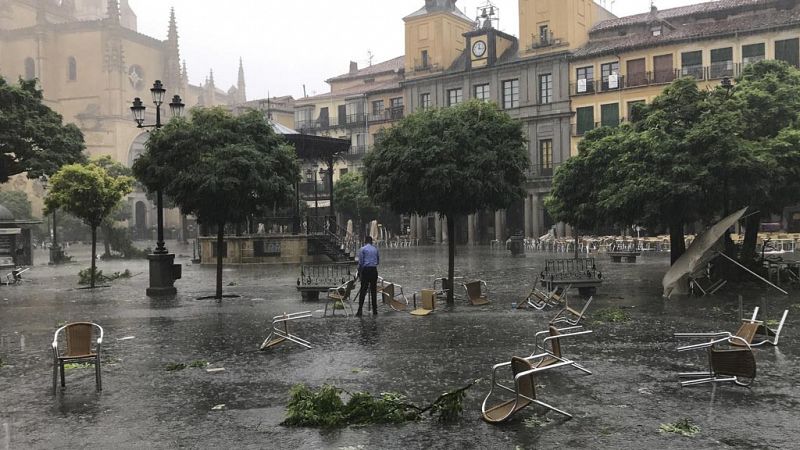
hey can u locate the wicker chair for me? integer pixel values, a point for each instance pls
(731, 364)
(340, 294)
(78, 349)
(394, 296)
(753, 332)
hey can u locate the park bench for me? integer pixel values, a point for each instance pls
(580, 273)
(320, 278)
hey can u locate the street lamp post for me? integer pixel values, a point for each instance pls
(162, 272)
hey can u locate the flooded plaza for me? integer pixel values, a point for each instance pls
(632, 391)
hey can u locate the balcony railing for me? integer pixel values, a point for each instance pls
(635, 80)
(387, 115)
(537, 171)
(357, 150)
(356, 120)
(547, 40)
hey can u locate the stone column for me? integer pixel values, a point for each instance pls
(471, 229)
(438, 225)
(413, 225)
(536, 222)
(568, 231)
(498, 225)
(445, 237)
(529, 222)
(422, 228)
(560, 230)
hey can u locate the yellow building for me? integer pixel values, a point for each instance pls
(631, 59)
(91, 62)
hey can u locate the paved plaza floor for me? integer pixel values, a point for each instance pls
(633, 388)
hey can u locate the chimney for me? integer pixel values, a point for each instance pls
(353, 67)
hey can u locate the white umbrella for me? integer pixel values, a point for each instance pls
(697, 255)
(373, 229)
(350, 228)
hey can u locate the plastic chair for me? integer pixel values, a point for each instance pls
(78, 349)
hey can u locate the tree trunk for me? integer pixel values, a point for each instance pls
(751, 224)
(94, 256)
(676, 241)
(220, 240)
(451, 258)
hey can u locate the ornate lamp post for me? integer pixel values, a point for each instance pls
(162, 273)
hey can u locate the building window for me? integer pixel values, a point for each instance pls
(302, 118)
(263, 248)
(72, 69)
(789, 51)
(610, 75)
(424, 100)
(585, 77)
(637, 72)
(662, 68)
(511, 94)
(30, 69)
(545, 88)
(722, 62)
(692, 64)
(396, 105)
(585, 120)
(656, 30)
(544, 35)
(753, 53)
(609, 115)
(424, 59)
(454, 96)
(482, 92)
(632, 108)
(355, 111)
(546, 156)
(377, 107)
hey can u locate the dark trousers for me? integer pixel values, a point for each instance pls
(369, 279)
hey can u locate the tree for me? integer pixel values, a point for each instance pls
(120, 213)
(220, 168)
(454, 161)
(352, 198)
(88, 192)
(33, 138)
(17, 202)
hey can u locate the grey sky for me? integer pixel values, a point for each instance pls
(286, 44)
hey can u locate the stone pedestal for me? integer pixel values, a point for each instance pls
(163, 274)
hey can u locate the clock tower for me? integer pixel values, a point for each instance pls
(435, 37)
(487, 44)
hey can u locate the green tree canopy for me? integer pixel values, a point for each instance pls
(352, 199)
(33, 138)
(89, 193)
(219, 167)
(115, 237)
(17, 202)
(454, 161)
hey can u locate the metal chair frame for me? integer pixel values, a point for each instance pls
(748, 332)
(83, 355)
(724, 365)
(278, 335)
(391, 297)
(569, 315)
(539, 299)
(340, 294)
(442, 291)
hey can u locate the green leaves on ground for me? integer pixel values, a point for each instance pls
(85, 276)
(71, 366)
(684, 427)
(613, 314)
(325, 407)
(197, 364)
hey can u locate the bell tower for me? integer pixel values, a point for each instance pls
(556, 25)
(435, 37)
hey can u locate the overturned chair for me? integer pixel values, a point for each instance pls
(340, 295)
(726, 362)
(442, 285)
(539, 299)
(569, 315)
(280, 330)
(393, 295)
(476, 295)
(523, 370)
(78, 349)
(754, 333)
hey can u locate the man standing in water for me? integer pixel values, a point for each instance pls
(368, 260)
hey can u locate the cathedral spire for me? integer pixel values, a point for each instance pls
(241, 90)
(172, 33)
(172, 57)
(113, 11)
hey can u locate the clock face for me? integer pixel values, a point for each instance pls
(479, 48)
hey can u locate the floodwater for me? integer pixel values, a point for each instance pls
(633, 388)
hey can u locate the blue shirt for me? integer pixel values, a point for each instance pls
(368, 256)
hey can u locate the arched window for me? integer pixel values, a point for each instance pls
(30, 69)
(72, 69)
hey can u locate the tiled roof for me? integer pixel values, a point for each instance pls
(765, 20)
(439, 6)
(392, 65)
(682, 11)
(360, 89)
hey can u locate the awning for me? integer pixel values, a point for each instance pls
(8, 231)
(321, 203)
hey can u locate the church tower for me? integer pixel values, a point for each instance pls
(172, 57)
(240, 85)
(435, 37)
(546, 26)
